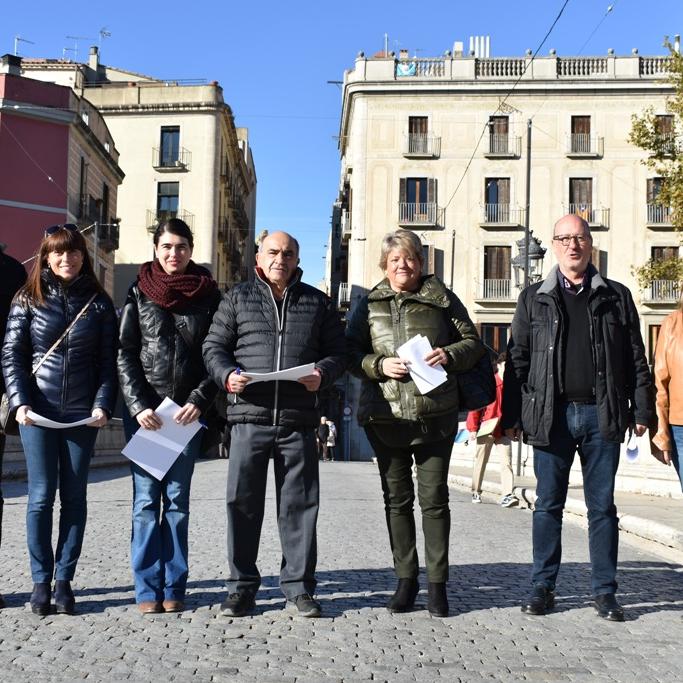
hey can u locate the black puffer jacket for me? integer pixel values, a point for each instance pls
(154, 359)
(248, 333)
(80, 374)
(533, 372)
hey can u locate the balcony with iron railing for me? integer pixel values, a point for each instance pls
(422, 146)
(502, 215)
(155, 218)
(503, 146)
(423, 214)
(595, 217)
(345, 223)
(108, 236)
(584, 145)
(496, 289)
(223, 229)
(344, 295)
(662, 292)
(171, 160)
(658, 215)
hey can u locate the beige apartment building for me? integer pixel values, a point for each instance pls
(438, 146)
(183, 157)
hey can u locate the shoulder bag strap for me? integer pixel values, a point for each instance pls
(184, 332)
(63, 334)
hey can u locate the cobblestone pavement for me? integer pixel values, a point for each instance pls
(486, 638)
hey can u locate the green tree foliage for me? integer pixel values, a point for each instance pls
(665, 151)
(658, 269)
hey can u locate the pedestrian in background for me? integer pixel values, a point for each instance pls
(322, 433)
(576, 379)
(404, 426)
(12, 277)
(493, 440)
(59, 360)
(274, 323)
(331, 440)
(163, 324)
(668, 372)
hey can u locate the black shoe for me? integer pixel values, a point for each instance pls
(2, 601)
(403, 600)
(539, 601)
(608, 607)
(437, 600)
(65, 603)
(304, 605)
(40, 599)
(238, 604)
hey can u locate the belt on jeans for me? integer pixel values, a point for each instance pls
(590, 402)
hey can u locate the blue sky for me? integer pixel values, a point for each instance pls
(274, 59)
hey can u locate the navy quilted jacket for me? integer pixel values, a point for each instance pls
(247, 332)
(80, 374)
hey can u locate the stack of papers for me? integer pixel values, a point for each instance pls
(425, 376)
(291, 374)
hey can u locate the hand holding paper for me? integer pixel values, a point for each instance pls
(424, 375)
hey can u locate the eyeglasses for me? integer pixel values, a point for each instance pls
(566, 240)
(56, 228)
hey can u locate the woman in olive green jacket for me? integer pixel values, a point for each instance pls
(400, 422)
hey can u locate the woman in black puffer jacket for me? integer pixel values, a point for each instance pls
(77, 380)
(163, 324)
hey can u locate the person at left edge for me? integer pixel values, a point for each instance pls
(12, 277)
(274, 323)
(163, 324)
(76, 381)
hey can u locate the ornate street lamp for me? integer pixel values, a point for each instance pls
(528, 269)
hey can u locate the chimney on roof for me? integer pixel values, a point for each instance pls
(10, 64)
(94, 57)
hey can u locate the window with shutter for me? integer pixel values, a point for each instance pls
(581, 198)
(497, 198)
(581, 134)
(498, 134)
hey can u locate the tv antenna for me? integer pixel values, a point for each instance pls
(104, 33)
(76, 39)
(19, 39)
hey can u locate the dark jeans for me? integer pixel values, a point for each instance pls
(395, 469)
(161, 518)
(676, 450)
(2, 500)
(56, 458)
(576, 429)
(295, 462)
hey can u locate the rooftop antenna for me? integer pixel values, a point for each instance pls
(386, 44)
(19, 39)
(104, 33)
(67, 49)
(76, 39)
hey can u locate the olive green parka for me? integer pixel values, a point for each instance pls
(383, 321)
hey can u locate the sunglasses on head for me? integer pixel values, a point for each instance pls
(56, 228)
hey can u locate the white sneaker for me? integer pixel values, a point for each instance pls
(476, 498)
(508, 501)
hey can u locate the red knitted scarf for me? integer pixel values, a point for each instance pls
(175, 292)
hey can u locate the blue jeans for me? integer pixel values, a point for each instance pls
(161, 515)
(576, 429)
(56, 457)
(677, 448)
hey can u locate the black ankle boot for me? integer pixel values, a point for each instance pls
(40, 599)
(65, 603)
(403, 599)
(437, 600)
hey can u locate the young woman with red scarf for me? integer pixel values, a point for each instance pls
(163, 324)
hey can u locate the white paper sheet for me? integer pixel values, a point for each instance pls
(52, 424)
(425, 376)
(488, 426)
(291, 374)
(155, 451)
